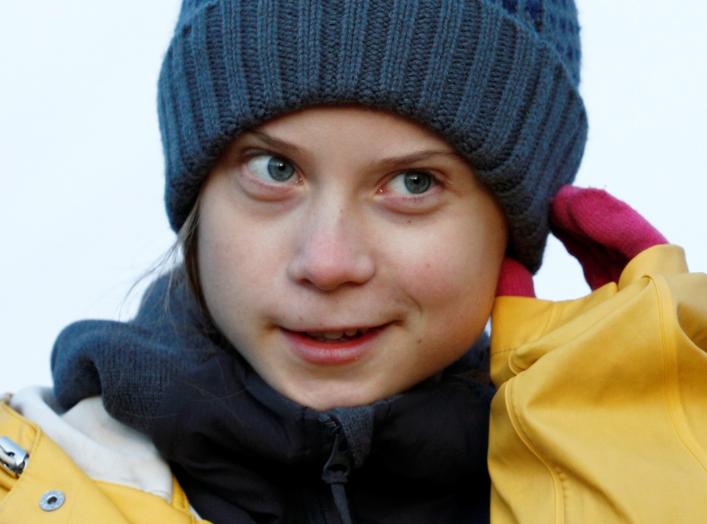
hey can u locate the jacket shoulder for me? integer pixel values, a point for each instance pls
(75, 465)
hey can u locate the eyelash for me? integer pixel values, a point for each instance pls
(249, 158)
(434, 181)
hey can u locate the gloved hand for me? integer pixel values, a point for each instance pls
(601, 231)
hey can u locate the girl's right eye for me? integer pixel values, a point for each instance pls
(270, 168)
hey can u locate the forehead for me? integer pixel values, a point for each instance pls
(356, 127)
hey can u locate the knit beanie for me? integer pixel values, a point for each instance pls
(498, 79)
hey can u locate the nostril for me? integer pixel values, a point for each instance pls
(326, 269)
(332, 250)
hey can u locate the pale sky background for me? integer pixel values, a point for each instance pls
(81, 165)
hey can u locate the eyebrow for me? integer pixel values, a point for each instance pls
(415, 157)
(386, 163)
(275, 142)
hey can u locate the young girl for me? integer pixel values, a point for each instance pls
(346, 179)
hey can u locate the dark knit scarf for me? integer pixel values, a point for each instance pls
(245, 454)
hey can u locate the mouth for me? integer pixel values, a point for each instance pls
(337, 335)
(333, 346)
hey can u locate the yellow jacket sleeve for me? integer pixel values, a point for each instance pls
(601, 409)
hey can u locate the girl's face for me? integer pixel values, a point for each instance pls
(347, 253)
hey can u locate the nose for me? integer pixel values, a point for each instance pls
(332, 251)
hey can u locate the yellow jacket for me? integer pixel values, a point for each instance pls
(52, 488)
(601, 410)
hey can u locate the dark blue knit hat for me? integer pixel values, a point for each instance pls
(496, 78)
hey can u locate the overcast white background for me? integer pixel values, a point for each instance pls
(81, 168)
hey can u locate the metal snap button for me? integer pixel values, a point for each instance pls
(52, 500)
(13, 458)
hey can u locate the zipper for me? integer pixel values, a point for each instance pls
(13, 458)
(336, 471)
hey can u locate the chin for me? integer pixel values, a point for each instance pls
(328, 396)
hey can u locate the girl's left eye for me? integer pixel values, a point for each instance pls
(412, 182)
(270, 168)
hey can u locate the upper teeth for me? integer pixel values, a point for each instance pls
(335, 335)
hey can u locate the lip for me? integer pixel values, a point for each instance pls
(331, 353)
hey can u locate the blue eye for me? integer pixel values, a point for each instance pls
(413, 182)
(269, 168)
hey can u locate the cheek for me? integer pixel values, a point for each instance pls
(451, 266)
(454, 293)
(234, 268)
(451, 276)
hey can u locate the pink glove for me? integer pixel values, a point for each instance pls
(602, 232)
